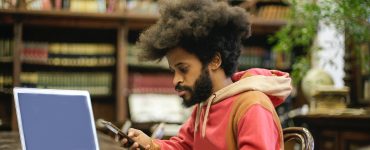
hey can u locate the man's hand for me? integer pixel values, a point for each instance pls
(139, 137)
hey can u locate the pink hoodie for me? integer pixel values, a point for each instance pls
(239, 116)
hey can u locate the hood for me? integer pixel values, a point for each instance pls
(275, 84)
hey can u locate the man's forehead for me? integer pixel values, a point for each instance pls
(179, 55)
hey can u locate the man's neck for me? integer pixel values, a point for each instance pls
(219, 80)
(218, 84)
(221, 84)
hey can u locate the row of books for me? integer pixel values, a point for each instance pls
(72, 48)
(6, 4)
(97, 83)
(6, 83)
(151, 83)
(6, 48)
(261, 57)
(69, 54)
(5, 80)
(273, 12)
(133, 59)
(143, 6)
(101, 6)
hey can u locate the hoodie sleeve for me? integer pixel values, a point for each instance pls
(257, 130)
(184, 139)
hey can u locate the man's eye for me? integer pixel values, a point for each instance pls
(183, 70)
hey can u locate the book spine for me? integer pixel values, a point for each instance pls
(151, 83)
(99, 83)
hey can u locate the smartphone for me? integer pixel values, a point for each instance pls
(118, 132)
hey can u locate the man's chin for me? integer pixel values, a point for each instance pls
(187, 103)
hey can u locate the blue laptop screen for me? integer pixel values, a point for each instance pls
(57, 122)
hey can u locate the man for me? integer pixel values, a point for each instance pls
(201, 40)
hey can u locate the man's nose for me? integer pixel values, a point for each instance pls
(177, 79)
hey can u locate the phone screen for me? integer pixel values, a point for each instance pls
(117, 131)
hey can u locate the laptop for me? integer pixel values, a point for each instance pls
(55, 119)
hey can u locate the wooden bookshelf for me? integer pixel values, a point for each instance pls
(115, 108)
(77, 19)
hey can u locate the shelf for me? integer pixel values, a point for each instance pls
(266, 26)
(67, 66)
(6, 59)
(7, 91)
(140, 21)
(47, 68)
(62, 18)
(107, 20)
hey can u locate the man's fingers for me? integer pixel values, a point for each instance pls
(116, 138)
(135, 146)
(123, 142)
(133, 132)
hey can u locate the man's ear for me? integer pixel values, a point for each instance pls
(215, 62)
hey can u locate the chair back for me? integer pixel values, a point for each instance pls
(300, 135)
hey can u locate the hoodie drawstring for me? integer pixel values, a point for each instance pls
(199, 110)
(197, 118)
(206, 115)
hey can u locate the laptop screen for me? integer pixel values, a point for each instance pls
(55, 119)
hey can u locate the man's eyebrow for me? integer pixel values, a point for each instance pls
(179, 64)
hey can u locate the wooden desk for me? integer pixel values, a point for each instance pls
(337, 132)
(11, 141)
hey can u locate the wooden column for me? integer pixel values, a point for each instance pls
(122, 74)
(17, 66)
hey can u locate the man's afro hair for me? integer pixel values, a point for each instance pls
(202, 27)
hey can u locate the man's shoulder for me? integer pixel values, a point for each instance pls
(245, 100)
(252, 97)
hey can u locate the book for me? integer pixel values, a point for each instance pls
(329, 99)
(69, 54)
(97, 83)
(151, 83)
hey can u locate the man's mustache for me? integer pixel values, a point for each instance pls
(178, 87)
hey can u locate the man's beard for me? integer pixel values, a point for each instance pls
(202, 89)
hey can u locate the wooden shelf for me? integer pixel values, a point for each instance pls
(107, 20)
(266, 26)
(6, 59)
(66, 66)
(6, 91)
(61, 18)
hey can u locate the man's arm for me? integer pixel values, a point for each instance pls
(184, 139)
(258, 130)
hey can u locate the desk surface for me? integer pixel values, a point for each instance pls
(11, 141)
(353, 122)
(339, 132)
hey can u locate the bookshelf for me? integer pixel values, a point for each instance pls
(118, 29)
(267, 16)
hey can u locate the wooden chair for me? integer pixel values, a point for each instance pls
(300, 135)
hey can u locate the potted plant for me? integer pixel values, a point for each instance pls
(350, 17)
